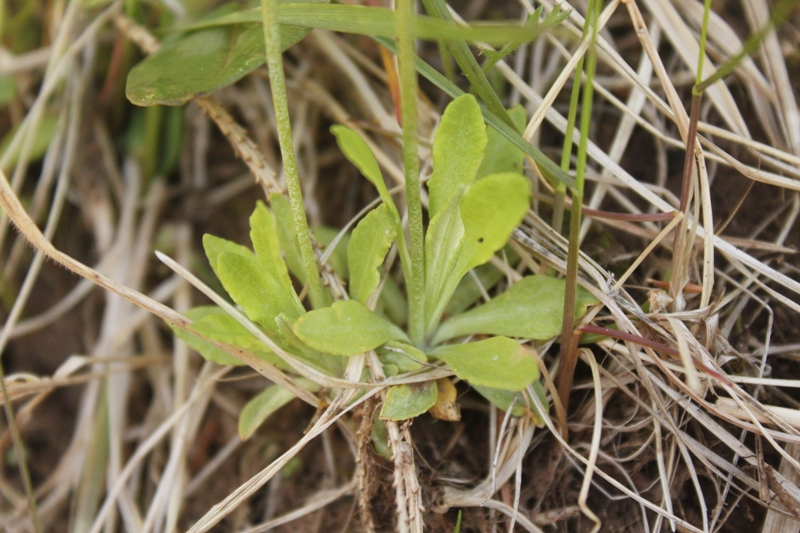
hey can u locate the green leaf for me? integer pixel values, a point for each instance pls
(497, 362)
(379, 436)
(468, 292)
(500, 154)
(503, 399)
(551, 171)
(284, 226)
(202, 62)
(8, 89)
(215, 324)
(332, 365)
(356, 150)
(264, 404)
(443, 246)
(392, 303)
(532, 308)
(41, 140)
(457, 150)
(215, 246)
(267, 247)
(409, 401)
(338, 258)
(404, 357)
(259, 293)
(491, 209)
(368, 247)
(346, 328)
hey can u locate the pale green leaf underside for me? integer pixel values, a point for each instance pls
(368, 247)
(503, 399)
(443, 245)
(409, 401)
(497, 362)
(522, 402)
(490, 210)
(346, 328)
(458, 147)
(532, 308)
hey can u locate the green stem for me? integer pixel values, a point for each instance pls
(568, 354)
(408, 108)
(269, 13)
(566, 153)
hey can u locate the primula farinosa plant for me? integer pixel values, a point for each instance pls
(475, 202)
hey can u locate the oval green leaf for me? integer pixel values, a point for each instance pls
(497, 362)
(409, 400)
(491, 209)
(457, 150)
(201, 62)
(532, 308)
(346, 328)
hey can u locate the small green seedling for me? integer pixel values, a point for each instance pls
(473, 210)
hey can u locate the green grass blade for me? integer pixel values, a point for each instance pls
(378, 22)
(469, 65)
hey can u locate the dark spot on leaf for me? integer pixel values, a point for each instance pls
(480, 239)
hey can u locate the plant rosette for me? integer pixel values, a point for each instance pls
(474, 205)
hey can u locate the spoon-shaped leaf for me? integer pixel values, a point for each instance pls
(497, 362)
(457, 150)
(345, 328)
(532, 308)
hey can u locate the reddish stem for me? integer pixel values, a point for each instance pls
(628, 337)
